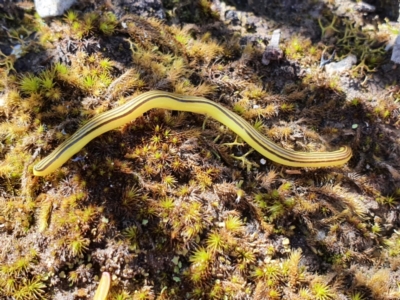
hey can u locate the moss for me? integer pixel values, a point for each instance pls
(162, 195)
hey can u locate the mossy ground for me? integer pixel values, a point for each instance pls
(161, 203)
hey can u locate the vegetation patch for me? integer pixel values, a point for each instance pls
(174, 205)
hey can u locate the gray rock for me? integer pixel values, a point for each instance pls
(364, 7)
(273, 51)
(341, 66)
(143, 8)
(52, 8)
(233, 17)
(396, 51)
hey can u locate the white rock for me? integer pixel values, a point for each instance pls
(341, 66)
(364, 7)
(17, 51)
(273, 51)
(396, 51)
(52, 8)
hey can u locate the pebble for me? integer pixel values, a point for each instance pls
(52, 8)
(364, 7)
(17, 51)
(396, 51)
(273, 51)
(341, 66)
(233, 17)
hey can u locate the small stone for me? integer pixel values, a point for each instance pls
(233, 17)
(364, 7)
(52, 8)
(17, 51)
(273, 51)
(396, 51)
(341, 66)
(321, 235)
